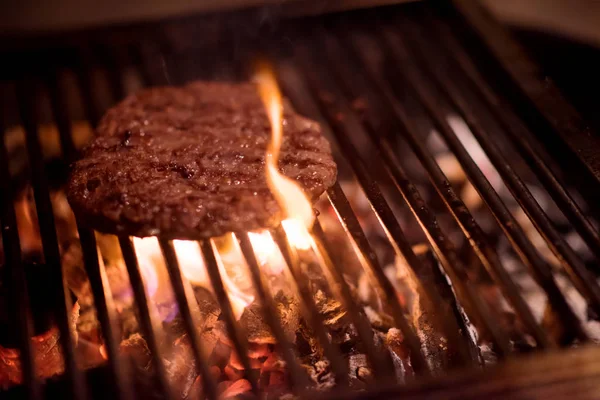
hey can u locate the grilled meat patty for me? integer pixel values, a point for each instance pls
(189, 162)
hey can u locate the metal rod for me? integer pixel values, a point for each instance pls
(383, 99)
(297, 373)
(240, 343)
(209, 387)
(333, 107)
(352, 80)
(540, 269)
(517, 132)
(60, 112)
(375, 272)
(541, 103)
(292, 259)
(580, 276)
(103, 300)
(153, 64)
(148, 324)
(92, 109)
(370, 263)
(380, 361)
(13, 274)
(105, 311)
(45, 213)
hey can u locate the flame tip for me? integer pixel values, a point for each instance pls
(287, 192)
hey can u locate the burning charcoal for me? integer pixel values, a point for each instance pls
(256, 350)
(320, 373)
(357, 367)
(364, 374)
(235, 362)
(379, 321)
(196, 391)
(229, 389)
(434, 343)
(209, 308)
(402, 368)
(233, 373)
(179, 364)
(395, 342)
(46, 350)
(330, 309)
(77, 280)
(507, 319)
(273, 363)
(221, 354)
(136, 348)
(257, 329)
(277, 378)
(89, 354)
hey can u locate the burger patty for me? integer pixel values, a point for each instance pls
(189, 162)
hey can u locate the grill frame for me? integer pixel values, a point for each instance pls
(327, 112)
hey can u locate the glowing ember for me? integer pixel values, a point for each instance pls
(29, 235)
(286, 191)
(102, 351)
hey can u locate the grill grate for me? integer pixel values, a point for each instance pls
(378, 82)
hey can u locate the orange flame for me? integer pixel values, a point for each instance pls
(193, 268)
(290, 197)
(149, 258)
(296, 207)
(267, 252)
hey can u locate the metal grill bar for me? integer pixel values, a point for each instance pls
(183, 302)
(297, 374)
(353, 82)
(390, 224)
(466, 292)
(510, 123)
(105, 310)
(13, 271)
(62, 296)
(152, 336)
(92, 109)
(290, 254)
(103, 300)
(540, 269)
(379, 360)
(580, 276)
(152, 64)
(149, 54)
(365, 254)
(371, 265)
(340, 83)
(59, 112)
(544, 103)
(240, 343)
